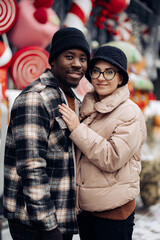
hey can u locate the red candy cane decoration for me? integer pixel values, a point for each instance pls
(78, 14)
(121, 28)
(5, 59)
(83, 87)
(8, 14)
(27, 65)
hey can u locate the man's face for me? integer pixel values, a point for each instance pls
(69, 67)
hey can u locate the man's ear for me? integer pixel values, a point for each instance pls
(52, 63)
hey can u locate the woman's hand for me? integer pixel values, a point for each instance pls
(69, 116)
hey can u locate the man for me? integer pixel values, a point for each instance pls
(39, 185)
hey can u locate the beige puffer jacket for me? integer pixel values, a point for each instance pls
(109, 145)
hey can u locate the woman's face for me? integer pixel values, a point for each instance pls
(102, 86)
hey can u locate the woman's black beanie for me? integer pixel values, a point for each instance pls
(112, 55)
(68, 38)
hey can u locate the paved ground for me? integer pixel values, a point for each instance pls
(147, 223)
(5, 235)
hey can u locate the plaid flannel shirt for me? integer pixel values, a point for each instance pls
(39, 174)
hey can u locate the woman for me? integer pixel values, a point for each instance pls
(109, 141)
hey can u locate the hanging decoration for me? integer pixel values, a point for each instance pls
(107, 15)
(108, 10)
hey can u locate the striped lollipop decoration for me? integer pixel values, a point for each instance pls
(8, 14)
(78, 14)
(27, 65)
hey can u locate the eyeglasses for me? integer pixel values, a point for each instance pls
(108, 74)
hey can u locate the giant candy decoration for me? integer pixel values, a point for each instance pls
(5, 58)
(8, 14)
(78, 14)
(5, 55)
(27, 65)
(3, 83)
(35, 24)
(131, 51)
(83, 87)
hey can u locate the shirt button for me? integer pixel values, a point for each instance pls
(82, 183)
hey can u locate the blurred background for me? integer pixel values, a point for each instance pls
(26, 30)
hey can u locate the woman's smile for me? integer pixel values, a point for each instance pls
(101, 85)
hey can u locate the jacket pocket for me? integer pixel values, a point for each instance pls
(59, 136)
(61, 123)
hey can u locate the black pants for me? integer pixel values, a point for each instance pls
(20, 231)
(95, 228)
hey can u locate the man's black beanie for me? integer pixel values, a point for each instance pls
(68, 38)
(112, 55)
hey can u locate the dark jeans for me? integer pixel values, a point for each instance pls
(95, 228)
(20, 231)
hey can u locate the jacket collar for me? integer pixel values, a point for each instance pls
(91, 105)
(48, 79)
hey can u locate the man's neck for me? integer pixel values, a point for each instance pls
(66, 89)
(71, 102)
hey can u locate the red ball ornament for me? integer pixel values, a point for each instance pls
(41, 15)
(104, 12)
(117, 6)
